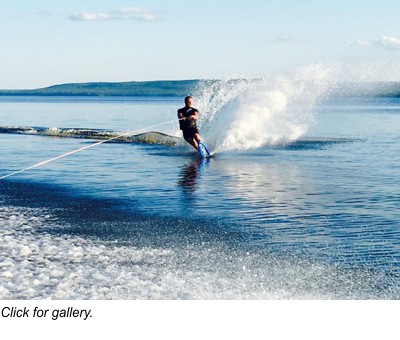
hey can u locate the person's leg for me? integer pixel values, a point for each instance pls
(196, 139)
(193, 142)
(192, 137)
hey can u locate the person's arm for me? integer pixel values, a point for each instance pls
(194, 116)
(180, 115)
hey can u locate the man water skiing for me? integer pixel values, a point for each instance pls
(187, 123)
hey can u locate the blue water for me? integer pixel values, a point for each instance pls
(314, 217)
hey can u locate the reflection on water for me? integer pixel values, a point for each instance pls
(293, 207)
(189, 174)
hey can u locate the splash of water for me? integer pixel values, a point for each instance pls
(246, 114)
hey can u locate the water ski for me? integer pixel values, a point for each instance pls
(203, 151)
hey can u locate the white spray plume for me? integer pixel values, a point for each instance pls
(244, 114)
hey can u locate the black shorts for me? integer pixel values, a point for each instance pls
(189, 133)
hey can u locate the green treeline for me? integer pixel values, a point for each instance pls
(134, 88)
(181, 88)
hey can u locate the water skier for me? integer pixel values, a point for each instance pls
(188, 116)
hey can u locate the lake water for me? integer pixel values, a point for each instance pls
(295, 204)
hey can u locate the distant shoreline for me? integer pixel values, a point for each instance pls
(179, 88)
(5, 93)
(167, 88)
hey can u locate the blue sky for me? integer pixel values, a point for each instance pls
(51, 42)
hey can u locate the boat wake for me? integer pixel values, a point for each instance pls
(152, 137)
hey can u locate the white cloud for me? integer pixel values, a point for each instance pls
(286, 39)
(85, 16)
(390, 43)
(45, 13)
(133, 13)
(362, 43)
(136, 13)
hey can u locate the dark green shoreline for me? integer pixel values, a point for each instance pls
(161, 88)
(179, 88)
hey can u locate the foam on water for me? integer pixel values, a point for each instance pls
(38, 261)
(245, 114)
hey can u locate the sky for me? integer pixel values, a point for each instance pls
(47, 42)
